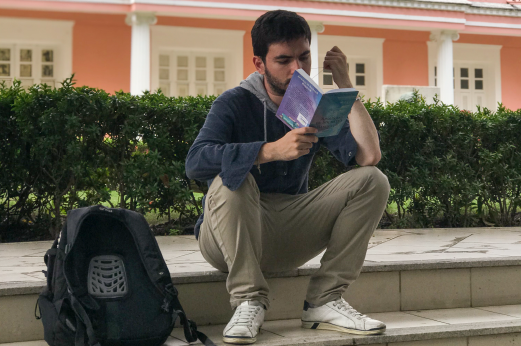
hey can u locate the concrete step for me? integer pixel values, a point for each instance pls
(494, 325)
(389, 287)
(405, 270)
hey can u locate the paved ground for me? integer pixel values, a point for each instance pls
(23, 262)
(454, 323)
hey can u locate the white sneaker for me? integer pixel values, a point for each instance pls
(338, 315)
(245, 323)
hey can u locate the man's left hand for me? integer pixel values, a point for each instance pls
(336, 61)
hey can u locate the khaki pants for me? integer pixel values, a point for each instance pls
(246, 233)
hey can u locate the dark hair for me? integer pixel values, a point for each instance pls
(277, 27)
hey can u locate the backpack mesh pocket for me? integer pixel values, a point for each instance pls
(107, 277)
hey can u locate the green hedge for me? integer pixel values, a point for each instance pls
(71, 146)
(446, 167)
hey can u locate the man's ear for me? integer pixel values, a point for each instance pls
(259, 64)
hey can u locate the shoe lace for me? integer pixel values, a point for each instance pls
(344, 306)
(245, 315)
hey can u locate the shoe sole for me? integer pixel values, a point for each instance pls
(239, 341)
(329, 326)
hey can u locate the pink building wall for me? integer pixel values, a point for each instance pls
(100, 47)
(102, 41)
(405, 63)
(511, 77)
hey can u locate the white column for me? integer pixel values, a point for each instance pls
(140, 51)
(316, 28)
(445, 65)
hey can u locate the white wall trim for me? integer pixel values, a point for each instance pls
(494, 25)
(491, 47)
(473, 7)
(489, 8)
(186, 3)
(188, 30)
(469, 7)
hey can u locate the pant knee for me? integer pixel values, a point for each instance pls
(377, 179)
(248, 189)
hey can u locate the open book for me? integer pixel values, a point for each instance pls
(305, 104)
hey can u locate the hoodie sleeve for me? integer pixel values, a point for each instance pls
(343, 146)
(213, 153)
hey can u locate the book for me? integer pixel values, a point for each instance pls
(305, 104)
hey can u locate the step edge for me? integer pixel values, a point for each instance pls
(417, 334)
(33, 287)
(402, 334)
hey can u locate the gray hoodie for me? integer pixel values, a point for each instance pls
(255, 84)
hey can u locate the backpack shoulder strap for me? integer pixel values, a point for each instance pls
(84, 325)
(148, 248)
(189, 326)
(190, 329)
(74, 218)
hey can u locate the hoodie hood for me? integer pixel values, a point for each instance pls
(255, 84)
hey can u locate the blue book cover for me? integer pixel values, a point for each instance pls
(305, 104)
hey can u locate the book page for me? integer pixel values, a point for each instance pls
(299, 103)
(341, 90)
(332, 112)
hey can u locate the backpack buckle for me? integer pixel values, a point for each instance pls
(166, 305)
(171, 295)
(170, 288)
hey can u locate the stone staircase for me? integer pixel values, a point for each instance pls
(430, 286)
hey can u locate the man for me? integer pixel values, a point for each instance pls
(258, 214)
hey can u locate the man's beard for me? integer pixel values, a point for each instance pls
(276, 86)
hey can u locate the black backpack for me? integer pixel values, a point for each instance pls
(108, 284)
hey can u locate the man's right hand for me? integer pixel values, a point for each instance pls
(293, 145)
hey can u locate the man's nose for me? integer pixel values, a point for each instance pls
(295, 65)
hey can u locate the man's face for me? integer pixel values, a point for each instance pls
(282, 60)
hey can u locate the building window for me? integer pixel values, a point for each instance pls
(469, 86)
(164, 74)
(360, 75)
(182, 85)
(478, 79)
(436, 78)
(184, 74)
(464, 80)
(327, 78)
(219, 70)
(6, 63)
(29, 64)
(357, 74)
